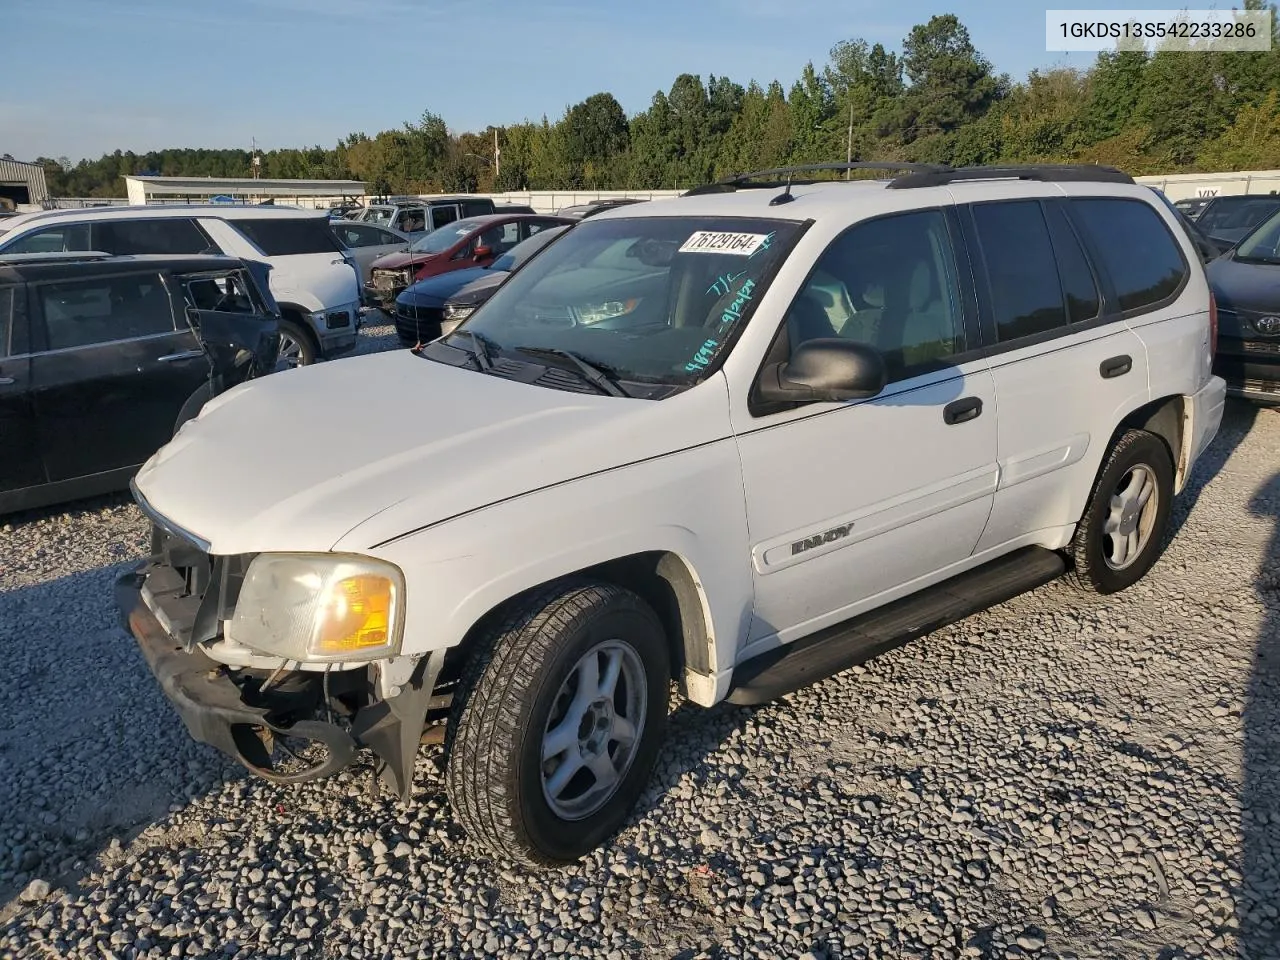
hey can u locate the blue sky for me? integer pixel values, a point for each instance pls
(83, 77)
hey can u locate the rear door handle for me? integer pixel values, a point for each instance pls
(1115, 367)
(184, 355)
(959, 411)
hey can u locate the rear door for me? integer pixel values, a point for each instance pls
(20, 464)
(114, 364)
(1066, 366)
(443, 214)
(367, 243)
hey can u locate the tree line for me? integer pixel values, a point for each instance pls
(938, 99)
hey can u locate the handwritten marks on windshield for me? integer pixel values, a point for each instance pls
(729, 316)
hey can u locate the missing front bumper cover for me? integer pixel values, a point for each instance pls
(265, 737)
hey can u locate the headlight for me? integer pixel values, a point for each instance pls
(595, 312)
(458, 311)
(320, 607)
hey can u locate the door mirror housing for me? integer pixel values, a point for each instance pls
(826, 369)
(482, 252)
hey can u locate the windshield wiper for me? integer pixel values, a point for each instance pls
(597, 375)
(480, 347)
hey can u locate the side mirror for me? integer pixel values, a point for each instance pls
(481, 252)
(828, 369)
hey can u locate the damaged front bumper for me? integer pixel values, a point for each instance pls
(245, 713)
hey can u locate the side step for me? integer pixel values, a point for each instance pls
(844, 645)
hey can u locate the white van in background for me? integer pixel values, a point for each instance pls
(313, 279)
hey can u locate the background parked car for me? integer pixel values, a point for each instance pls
(366, 242)
(1246, 284)
(102, 358)
(581, 210)
(435, 306)
(1227, 220)
(514, 208)
(475, 241)
(313, 279)
(415, 217)
(1193, 206)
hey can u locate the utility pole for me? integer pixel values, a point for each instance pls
(849, 150)
(497, 159)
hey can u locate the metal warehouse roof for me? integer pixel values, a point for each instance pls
(214, 186)
(30, 175)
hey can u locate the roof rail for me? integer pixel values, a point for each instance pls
(59, 256)
(1047, 173)
(744, 180)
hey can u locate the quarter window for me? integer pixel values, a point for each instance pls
(288, 236)
(1026, 295)
(80, 313)
(890, 283)
(1137, 249)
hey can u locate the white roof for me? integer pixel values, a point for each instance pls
(149, 211)
(213, 186)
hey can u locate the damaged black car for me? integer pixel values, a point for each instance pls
(103, 358)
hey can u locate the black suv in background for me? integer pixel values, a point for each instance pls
(102, 358)
(1228, 220)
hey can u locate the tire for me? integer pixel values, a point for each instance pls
(521, 687)
(295, 334)
(1116, 512)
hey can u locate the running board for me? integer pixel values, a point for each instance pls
(828, 652)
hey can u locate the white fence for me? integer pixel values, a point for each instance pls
(1186, 186)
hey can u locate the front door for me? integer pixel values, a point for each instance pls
(112, 371)
(20, 464)
(850, 504)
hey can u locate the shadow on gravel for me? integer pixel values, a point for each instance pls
(91, 751)
(1258, 903)
(1237, 421)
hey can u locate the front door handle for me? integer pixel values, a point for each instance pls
(962, 410)
(184, 355)
(1115, 367)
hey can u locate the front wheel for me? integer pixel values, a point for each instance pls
(1122, 530)
(563, 710)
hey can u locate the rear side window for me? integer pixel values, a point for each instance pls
(477, 208)
(1026, 296)
(1137, 250)
(442, 215)
(1083, 300)
(80, 313)
(288, 237)
(177, 235)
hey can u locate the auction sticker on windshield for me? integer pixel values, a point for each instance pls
(714, 241)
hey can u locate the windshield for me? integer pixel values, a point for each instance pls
(656, 299)
(1235, 212)
(442, 238)
(1263, 243)
(525, 249)
(380, 215)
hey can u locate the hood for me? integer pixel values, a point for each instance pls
(400, 260)
(311, 458)
(480, 290)
(1245, 286)
(436, 290)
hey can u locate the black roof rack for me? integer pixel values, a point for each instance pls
(53, 256)
(741, 181)
(920, 175)
(1047, 173)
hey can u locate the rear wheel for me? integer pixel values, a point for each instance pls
(297, 346)
(1122, 531)
(563, 710)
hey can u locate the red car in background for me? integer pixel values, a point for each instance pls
(474, 241)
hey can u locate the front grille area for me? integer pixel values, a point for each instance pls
(417, 323)
(191, 591)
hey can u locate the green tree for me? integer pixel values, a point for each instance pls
(951, 83)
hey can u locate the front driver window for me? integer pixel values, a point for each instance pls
(890, 283)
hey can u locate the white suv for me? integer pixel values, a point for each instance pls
(743, 439)
(315, 282)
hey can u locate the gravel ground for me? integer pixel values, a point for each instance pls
(1061, 776)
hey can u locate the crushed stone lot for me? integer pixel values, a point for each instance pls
(1064, 775)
